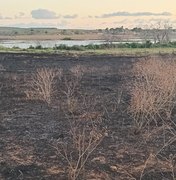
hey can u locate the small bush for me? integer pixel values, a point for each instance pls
(39, 47)
(77, 48)
(67, 38)
(61, 47)
(148, 44)
(15, 47)
(31, 47)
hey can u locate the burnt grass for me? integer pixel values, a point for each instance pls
(29, 129)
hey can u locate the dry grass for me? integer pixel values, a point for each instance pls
(153, 91)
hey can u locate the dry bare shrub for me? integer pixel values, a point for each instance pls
(153, 91)
(84, 139)
(91, 109)
(42, 82)
(78, 71)
(71, 86)
(80, 103)
(72, 104)
(85, 134)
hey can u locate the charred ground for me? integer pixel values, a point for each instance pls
(29, 129)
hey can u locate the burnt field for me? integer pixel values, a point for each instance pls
(86, 120)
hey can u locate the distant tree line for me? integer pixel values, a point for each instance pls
(160, 32)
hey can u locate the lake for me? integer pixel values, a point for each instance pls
(24, 44)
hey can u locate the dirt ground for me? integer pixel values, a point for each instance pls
(30, 129)
(88, 36)
(34, 37)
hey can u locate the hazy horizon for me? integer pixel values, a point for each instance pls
(93, 14)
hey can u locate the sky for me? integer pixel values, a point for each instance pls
(87, 14)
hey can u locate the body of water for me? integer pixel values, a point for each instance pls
(24, 44)
(47, 43)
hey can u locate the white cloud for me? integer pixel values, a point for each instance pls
(124, 13)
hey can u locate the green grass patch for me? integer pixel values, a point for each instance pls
(124, 49)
